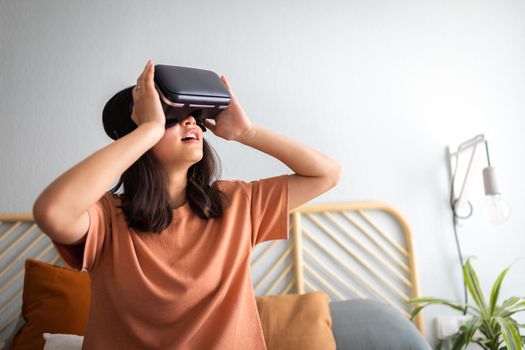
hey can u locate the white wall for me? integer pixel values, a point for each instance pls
(381, 86)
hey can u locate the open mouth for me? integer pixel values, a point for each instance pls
(189, 140)
(191, 137)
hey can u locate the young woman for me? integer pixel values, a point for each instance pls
(169, 258)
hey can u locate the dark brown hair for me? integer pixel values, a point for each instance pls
(145, 200)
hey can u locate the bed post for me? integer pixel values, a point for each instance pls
(297, 242)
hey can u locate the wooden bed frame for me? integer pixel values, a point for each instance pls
(349, 250)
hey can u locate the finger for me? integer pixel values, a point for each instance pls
(142, 81)
(225, 81)
(141, 78)
(223, 78)
(149, 75)
(209, 125)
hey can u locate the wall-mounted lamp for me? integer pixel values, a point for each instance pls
(495, 209)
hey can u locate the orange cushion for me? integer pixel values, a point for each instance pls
(55, 300)
(296, 321)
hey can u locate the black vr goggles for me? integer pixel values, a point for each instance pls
(183, 91)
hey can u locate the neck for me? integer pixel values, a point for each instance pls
(177, 187)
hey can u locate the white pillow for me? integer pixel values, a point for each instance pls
(63, 341)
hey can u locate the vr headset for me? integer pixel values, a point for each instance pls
(183, 91)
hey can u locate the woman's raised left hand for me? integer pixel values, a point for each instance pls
(232, 123)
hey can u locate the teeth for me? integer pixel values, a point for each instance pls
(190, 136)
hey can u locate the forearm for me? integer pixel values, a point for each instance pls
(71, 194)
(302, 159)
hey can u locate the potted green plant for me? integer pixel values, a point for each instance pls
(494, 322)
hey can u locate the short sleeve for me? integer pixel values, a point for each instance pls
(84, 256)
(268, 200)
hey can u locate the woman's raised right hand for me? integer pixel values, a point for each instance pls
(146, 101)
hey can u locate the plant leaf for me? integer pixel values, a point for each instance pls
(510, 334)
(518, 305)
(495, 290)
(459, 341)
(432, 300)
(490, 331)
(416, 311)
(474, 288)
(470, 328)
(508, 303)
(511, 312)
(428, 299)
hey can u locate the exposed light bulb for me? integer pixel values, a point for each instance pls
(495, 209)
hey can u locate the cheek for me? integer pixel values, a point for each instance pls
(166, 146)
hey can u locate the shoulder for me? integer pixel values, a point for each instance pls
(110, 202)
(111, 197)
(248, 187)
(232, 187)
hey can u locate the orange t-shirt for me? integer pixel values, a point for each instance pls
(188, 287)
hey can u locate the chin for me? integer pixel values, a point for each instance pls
(196, 160)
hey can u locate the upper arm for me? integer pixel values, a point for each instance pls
(81, 242)
(65, 233)
(267, 202)
(301, 189)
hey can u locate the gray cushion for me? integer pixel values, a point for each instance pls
(365, 324)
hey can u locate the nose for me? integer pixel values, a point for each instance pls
(189, 120)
